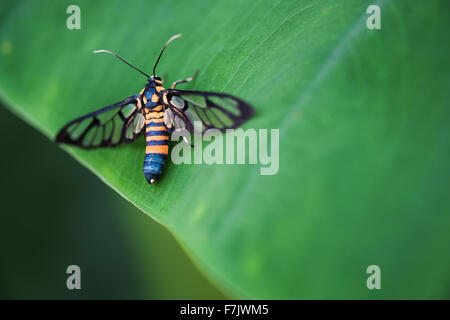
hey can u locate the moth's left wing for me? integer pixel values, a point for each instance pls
(107, 127)
(213, 109)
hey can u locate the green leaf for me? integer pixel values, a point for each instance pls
(364, 150)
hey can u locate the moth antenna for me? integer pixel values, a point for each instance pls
(117, 56)
(164, 48)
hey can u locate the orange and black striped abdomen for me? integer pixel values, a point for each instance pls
(157, 141)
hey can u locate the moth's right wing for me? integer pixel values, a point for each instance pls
(107, 127)
(213, 109)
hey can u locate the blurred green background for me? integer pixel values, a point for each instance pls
(55, 213)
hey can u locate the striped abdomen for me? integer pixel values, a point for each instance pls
(157, 138)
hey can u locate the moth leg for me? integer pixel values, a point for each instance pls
(187, 142)
(184, 80)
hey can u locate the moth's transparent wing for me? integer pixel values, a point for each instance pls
(107, 127)
(176, 119)
(213, 109)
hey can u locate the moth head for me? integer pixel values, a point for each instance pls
(155, 80)
(158, 80)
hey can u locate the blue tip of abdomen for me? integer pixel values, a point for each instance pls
(153, 164)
